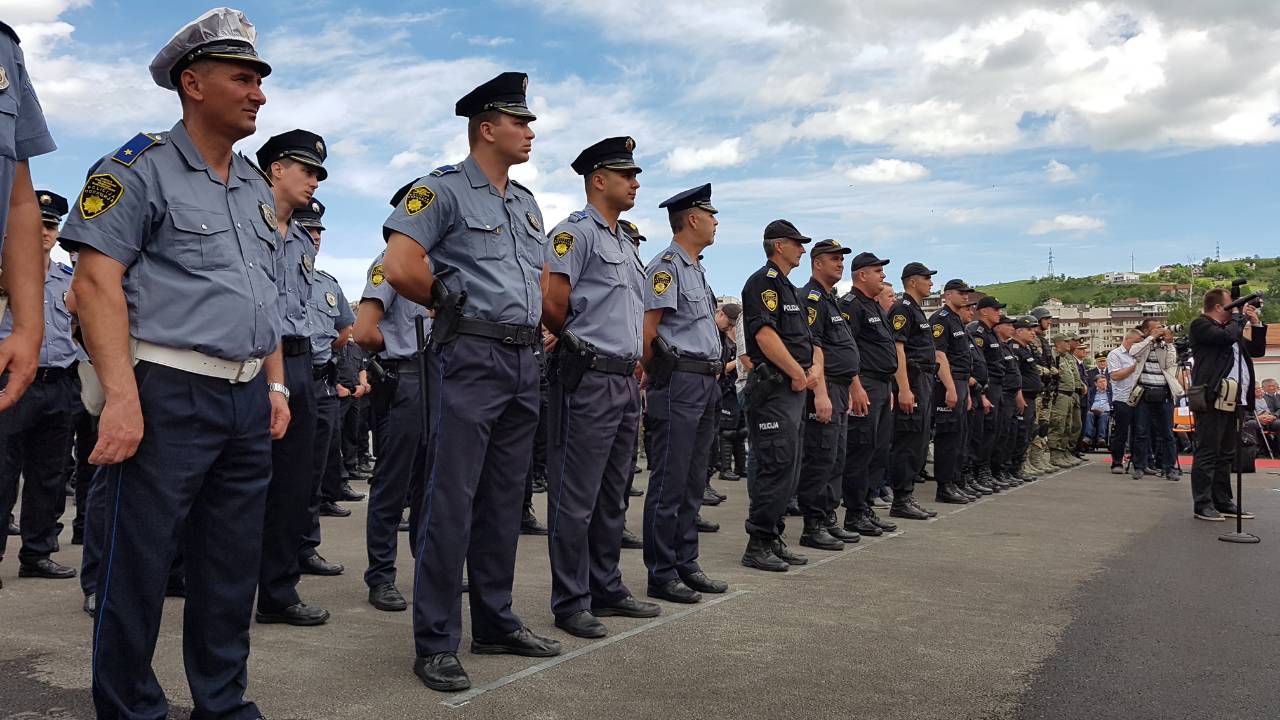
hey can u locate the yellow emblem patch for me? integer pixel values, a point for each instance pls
(661, 282)
(770, 299)
(100, 193)
(376, 275)
(562, 243)
(899, 322)
(418, 198)
(937, 331)
(331, 298)
(980, 341)
(813, 315)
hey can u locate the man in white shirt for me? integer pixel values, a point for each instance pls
(1121, 368)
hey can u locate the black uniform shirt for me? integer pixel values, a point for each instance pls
(1011, 375)
(770, 299)
(870, 330)
(830, 332)
(993, 351)
(950, 337)
(911, 328)
(1029, 364)
(977, 358)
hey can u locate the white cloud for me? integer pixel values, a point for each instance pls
(1081, 223)
(725, 153)
(1060, 172)
(887, 171)
(490, 40)
(21, 12)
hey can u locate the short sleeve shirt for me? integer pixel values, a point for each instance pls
(830, 331)
(487, 244)
(57, 349)
(1119, 359)
(769, 299)
(676, 283)
(992, 350)
(299, 279)
(606, 278)
(203, 258)
(949, 336)
(23, 132)
(398, 325)
(870, 329)
(1028, 366)
(330, 313)
(912, 329)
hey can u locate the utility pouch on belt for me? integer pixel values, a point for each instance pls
(761, 382)
(573, 358)
(664, 362)
(448, 312)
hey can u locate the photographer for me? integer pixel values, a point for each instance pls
(1152, 399)
(1223, 345)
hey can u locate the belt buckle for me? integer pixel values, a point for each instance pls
(248, 370)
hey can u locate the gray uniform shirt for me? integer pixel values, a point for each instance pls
(330, 312)
(678, 284)
(23, 132)
(399, 336)
(57, 349)
(203, 259)
(489, 245)
(606, 307)
(299, 280)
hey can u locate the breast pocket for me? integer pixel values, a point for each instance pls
(202, 240)
(533, 247)
(695, 300)
(8, 123)
(612, 263)
(487, 236)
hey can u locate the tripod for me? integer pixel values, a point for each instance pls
(1239, 536)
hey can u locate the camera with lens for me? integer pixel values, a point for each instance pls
(1237, 301)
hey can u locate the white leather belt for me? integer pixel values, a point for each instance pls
(196, 362)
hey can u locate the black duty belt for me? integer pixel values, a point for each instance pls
(404, 367)
(701, 367)
(294, 345)
(928, 369)
(508, 334)
(842, 380)
(327, 372)
(874, 375)
(613, 366)
(54, 374)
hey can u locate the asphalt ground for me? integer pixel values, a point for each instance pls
(1083, 595)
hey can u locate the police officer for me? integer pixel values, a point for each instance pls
(918, 361)
(474, 237)
(825, 434)
(1012, 404)
(630, 541)
(1038, 451)
(35, 434)
(331, 320)
(993, 352)
(23, 135)
(785, 363)
(386, 325)
(977, 408)
(1023, 344)
(594, 305)
(951, 393)
(681, 361)
(180, 249)
(294, 162)
(1064, 410)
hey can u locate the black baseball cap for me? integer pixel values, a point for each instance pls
(867, 259)
(958, 285)
(1004, 320)
(989, 301)
(828, 247)
(784, 230)
(912, 269)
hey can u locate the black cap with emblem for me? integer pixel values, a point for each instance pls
(301, 146)
(1004, 320)
(784, 230)
(632, 230)
(699, 197)
(1025, 322)
(865, 260)
(53, 207)
(913, 269)
(828, 247)
(989, 301)
(613, 153)
(957, 285)
(309, 215)
(505, 93)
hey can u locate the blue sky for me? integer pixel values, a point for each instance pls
(971, 136)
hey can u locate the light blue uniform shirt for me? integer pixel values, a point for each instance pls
(299, 280)
(203, 258)
(478, 241)
(330, 313)
(678, 285)
(399, 335)
(57, 349)
(606, 303)
(23, 132)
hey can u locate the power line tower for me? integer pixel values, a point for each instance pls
(1217, 251)
(1131, 266)
(1050, 262)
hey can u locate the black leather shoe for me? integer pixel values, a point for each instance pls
(815, 535)
(716, 492)
(176, 588)
(539, 483)
(907, 511)
(793, 508)
(77, 538)
(630, 541)
(1232, 511)
(980, 488)
(523, 642)
(709, 497)
(317, 565)
(387, 598)
(403, 526)
(442, 672)
(300, 615)
(706, 526)
(46, 568)
(729, 476)
(759, 555)
(948, 494)
(862, 525)
(844, 536)
(582, 624)
(634, 491)
(785, 555)
(529, 524)
(627, 607)
(333, 509)
(884, 525)
(674, 591)
(90, 606)
(700, 582)
(345, 492)
(14, 529)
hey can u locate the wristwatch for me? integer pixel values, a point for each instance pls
(278, 388)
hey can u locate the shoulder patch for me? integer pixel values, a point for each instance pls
(661, 282)
(813, 295)
(813, 314)
(899, 321)
(669, 256)
(943, 312)
(130, 151)
(66, 268)
(445, 170)
(978, 339)
(772, 273)
(418, 198)
(578, 216)
(562, 243)
(100, 193)
(937, 330)
(376, 275)
(770, 299)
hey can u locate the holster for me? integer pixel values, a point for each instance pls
(571, 361)
(448, 311)
(761, 382)
(663, 362)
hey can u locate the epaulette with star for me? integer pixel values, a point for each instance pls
(129, 153)
(445, 170)
(578, 216)
(66, 268)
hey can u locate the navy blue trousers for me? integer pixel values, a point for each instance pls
(593, 436)
(775, 426)
(288, 519)
(35, 438)
(203, 467)
(484, 406)
(950, 432)
(869, 437)
(911, 434)
(321, 456)
(825, 444)
(680, 422)
(400, 463)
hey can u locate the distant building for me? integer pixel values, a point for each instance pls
(1119, 278)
